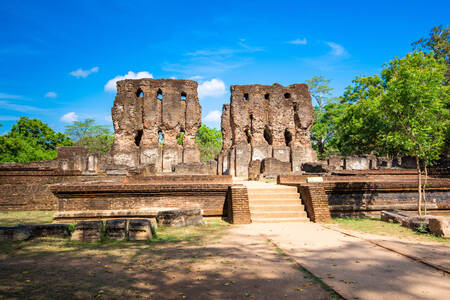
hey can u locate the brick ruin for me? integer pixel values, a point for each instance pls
(148, 116)
(266, 132)
(266, 121)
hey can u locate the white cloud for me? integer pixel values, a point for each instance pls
(108, 118)
(110, 86)
(212, 88)
(18, 107)
(9, 96)
(336, 49)
(213, 116)
(298, 42)
(83, 73)
(69, 117)
(196, 77)
(51, 95)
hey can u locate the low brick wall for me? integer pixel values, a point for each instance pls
(316, 202)
(238, 205)
(28, 188)
(359, 195)
(104, 198)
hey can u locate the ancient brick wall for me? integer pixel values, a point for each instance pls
(238, 205)
(146, 109)
(106, 197)
(267, 121)
(316, 202)
(30, 189)
(368, 195)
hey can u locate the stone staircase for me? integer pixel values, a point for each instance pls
(274, 203)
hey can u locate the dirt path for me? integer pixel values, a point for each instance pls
(236, 265)
(355, 268)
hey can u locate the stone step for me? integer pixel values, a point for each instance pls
(274, 189)
(269, 196)
(277, 207)
(275, 201)
(278, 214)
(280, 220)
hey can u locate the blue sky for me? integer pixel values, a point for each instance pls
(59, 59)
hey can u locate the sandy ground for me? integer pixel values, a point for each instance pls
(358, 269)
(235, 265)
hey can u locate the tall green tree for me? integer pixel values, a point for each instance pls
(98, 138)
(325, 113)
(31, 140)
(415, 108)
(438, 41)
(209, 141)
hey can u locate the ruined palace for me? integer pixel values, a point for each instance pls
(266, 133)
(266, 121)
(148, 116)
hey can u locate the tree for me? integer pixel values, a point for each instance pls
(98, 138)
(438, 42)
(209, 141)
(415, 108)
(322, 131)
(31, 140)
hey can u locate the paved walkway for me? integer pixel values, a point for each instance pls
(357, 268)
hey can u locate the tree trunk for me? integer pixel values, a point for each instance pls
(419, 200)
(424, 186)
(320, 148)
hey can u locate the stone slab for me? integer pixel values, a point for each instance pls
(179, 217)
(116, 229)
(19, 233)
(88, 231)
(139, 230)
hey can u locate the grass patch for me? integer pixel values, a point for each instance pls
(376, 226)
(14, 218)
(189, 233)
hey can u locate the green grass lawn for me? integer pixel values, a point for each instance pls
(14, 218)
(376, 226)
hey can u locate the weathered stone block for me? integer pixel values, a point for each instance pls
(417, 223)
(272, 167)
(384, 162)
(440, 226)
(50, 230)
(259, 152)
(394, 216)
(314, 167)
(116, 229)
(335, 162)
(19, 233)
(282, 153)
(180, 217)
(357, 163)
(139, 230)
(300, 156)
(191, 155)
(152, 155)
(254, 170)
(242, 159)
(88, 231)
(172, 155)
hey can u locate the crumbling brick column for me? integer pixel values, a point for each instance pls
(315, 200)
(238, 205)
